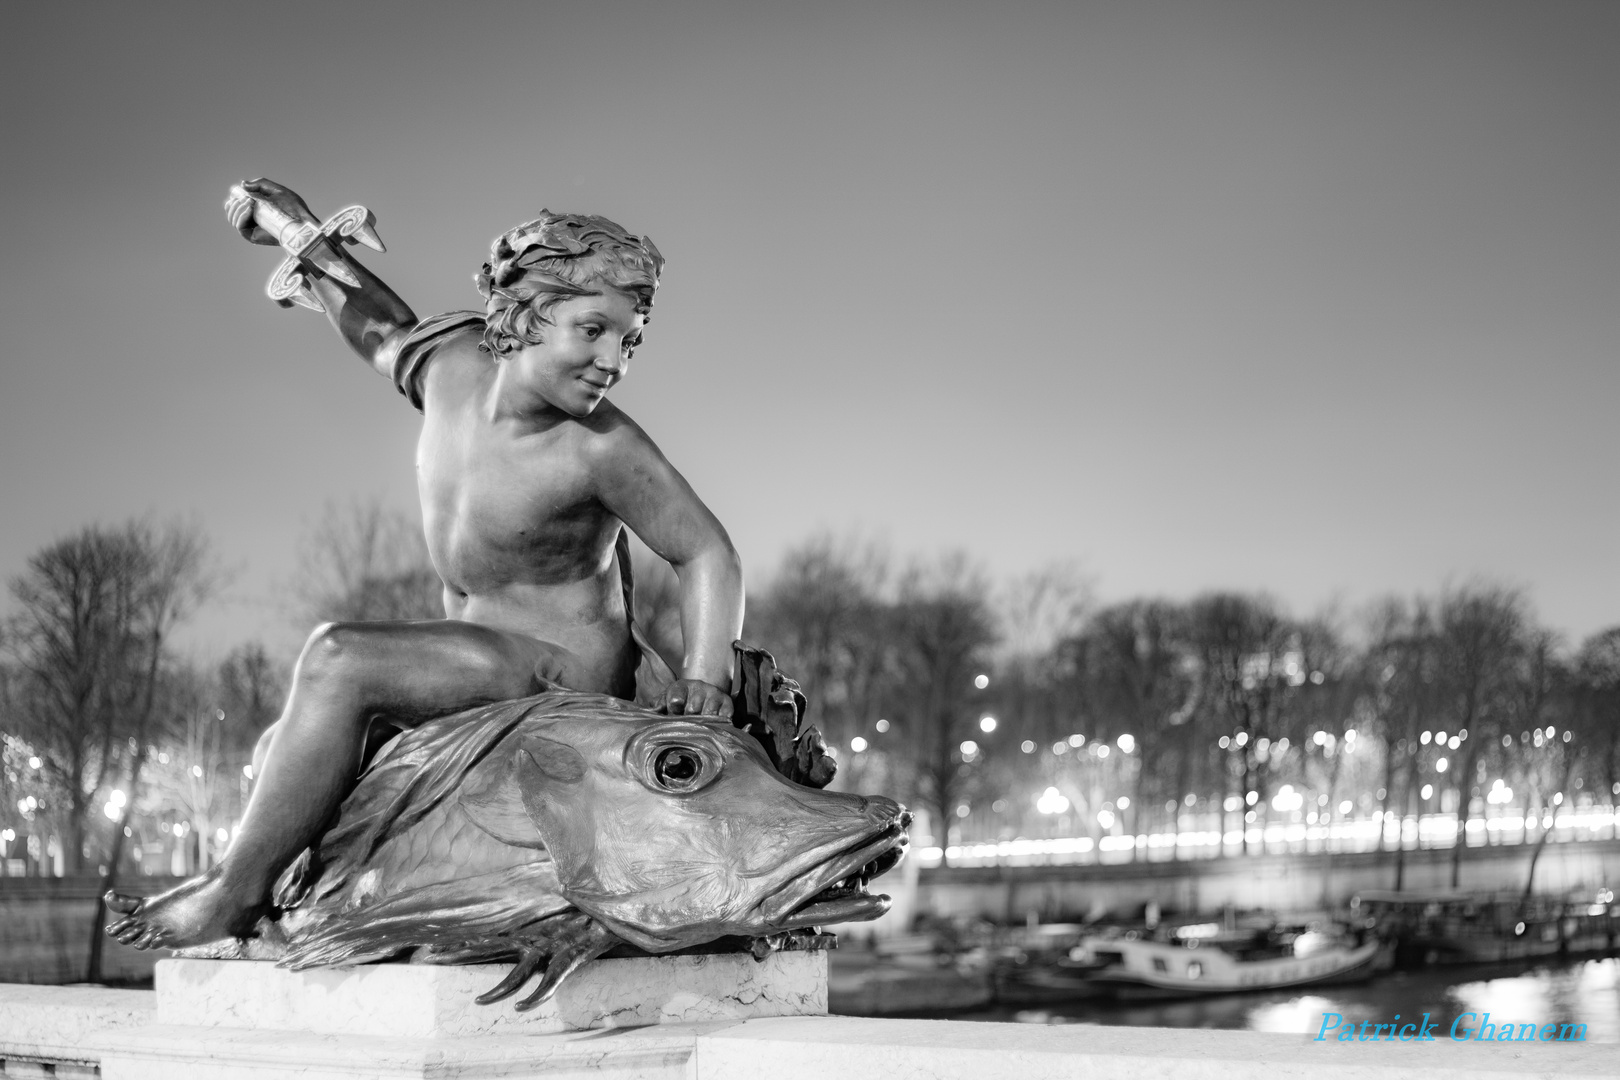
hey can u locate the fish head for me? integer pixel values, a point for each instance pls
(675, 831)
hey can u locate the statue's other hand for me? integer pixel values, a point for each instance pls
(284, 202)
(694, 697)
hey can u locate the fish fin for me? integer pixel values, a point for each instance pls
(440, 918)
(585, 939)
(494, 803)
(557, 760)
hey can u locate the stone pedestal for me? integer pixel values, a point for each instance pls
(239, 1019)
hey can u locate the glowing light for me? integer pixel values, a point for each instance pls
(1126, 743)
(1077, 740)
(1251, 798)
(1350, 736)
(1123, 802)
(1287, 799)
(1232, 803)
(196, 770)
(981, 681)
(7, 835)
(857, 744)
(1060, 747)
(1105, 818)
(1428, 791)
(112, 811)
(247, 771)
(1441, 765)
(179, 830)
(1225, 742)
(969, 748)
(221, 835)
(1052, 801)
(1453, 743)
(1241, 738)
(1102, 750)
(987, 724)
(34, 762)
(116, 797)
(163, 759)
(882, 726)
(1424, 738)
(1027, 746)
(1346, 806)
(963, 810)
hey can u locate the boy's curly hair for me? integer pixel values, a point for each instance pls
(556, 256)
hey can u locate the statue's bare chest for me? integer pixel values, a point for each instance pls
(500, 509)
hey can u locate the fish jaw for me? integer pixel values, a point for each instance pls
(698, 911)
(804, 903)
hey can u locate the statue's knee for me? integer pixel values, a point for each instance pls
(332, 646)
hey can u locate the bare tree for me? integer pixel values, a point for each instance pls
(1130, 672)
(1597, 709)
(822, 616)
(941, 628)
(364, 562)
(1491, 664)
(95, 614)
(1251, 667)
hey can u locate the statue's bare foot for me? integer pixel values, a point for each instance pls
(196, 912)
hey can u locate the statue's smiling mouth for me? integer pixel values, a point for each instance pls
(835, 891)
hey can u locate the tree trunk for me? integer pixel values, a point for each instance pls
(1465, 806)
(109, 880)
(1541, 841)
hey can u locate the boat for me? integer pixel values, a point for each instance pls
(1133, 967)
(1432, 928)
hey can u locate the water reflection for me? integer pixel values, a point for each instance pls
(1584, 992)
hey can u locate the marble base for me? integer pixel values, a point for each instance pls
(164, 1052)
(427, 1002)
(250, 1020)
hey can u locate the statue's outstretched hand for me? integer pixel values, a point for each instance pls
(694, 697)
(248, 196)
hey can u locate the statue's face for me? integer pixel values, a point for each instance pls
(585, 352)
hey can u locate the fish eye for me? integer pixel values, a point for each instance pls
(678, 768)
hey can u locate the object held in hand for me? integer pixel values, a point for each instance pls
(308, 244)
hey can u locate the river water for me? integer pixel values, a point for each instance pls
(1581, 992)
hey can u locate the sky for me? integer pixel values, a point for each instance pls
(1314, 299)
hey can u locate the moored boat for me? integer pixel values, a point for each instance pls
(1136, 968)
(1437, 928)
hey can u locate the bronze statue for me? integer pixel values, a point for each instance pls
(528, 479)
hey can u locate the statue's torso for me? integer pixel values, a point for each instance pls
(515, 528)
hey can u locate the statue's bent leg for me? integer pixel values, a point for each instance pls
(347, 674)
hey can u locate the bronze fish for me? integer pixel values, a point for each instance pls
(550, 829)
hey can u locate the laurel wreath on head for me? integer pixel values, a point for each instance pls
(546, 256)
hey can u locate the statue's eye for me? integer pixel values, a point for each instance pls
(678, 768)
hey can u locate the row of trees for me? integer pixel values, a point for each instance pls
(1210, 705)
(957, 695)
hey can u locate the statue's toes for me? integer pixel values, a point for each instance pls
(124, 905)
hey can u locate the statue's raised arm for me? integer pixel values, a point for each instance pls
(319, 273)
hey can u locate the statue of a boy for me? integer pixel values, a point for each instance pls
(528, 478)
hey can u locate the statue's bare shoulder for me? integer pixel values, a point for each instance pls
(457, 372)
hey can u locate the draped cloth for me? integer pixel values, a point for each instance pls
(653, 674)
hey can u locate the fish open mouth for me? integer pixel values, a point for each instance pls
(837, 888)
